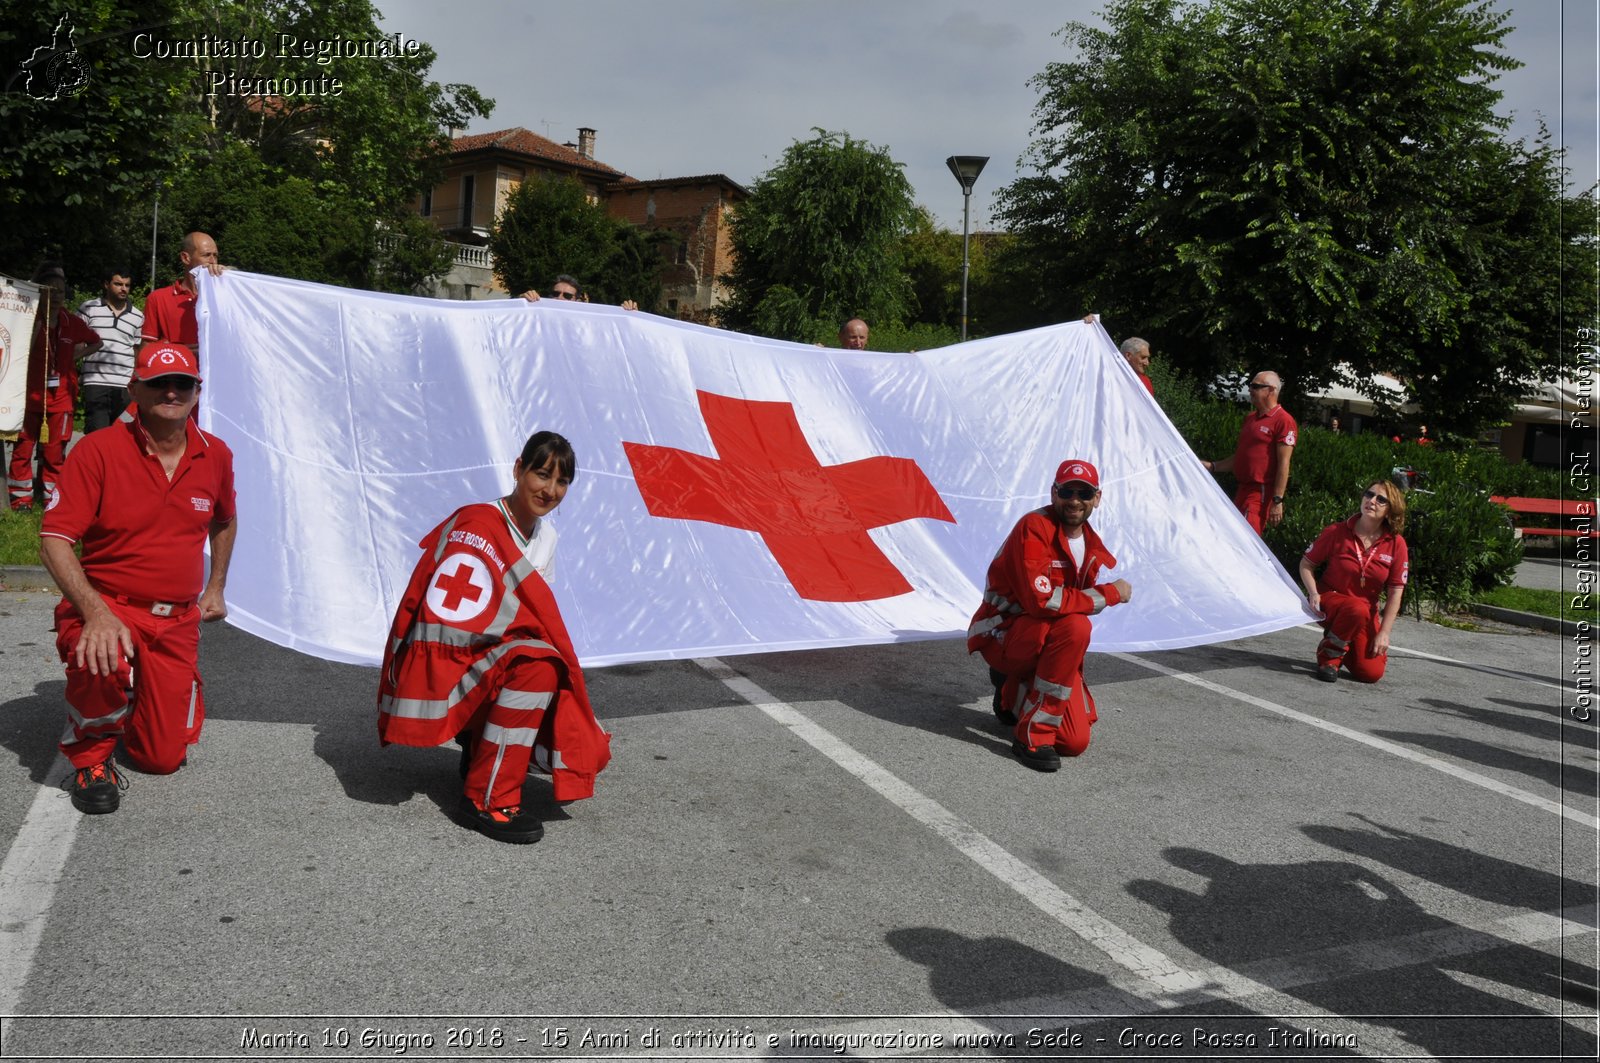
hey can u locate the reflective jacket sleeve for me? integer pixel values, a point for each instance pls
(1038, 574)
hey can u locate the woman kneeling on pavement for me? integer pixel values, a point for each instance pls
(1360, 557)
(478, 653)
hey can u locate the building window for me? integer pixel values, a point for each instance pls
(427, 203)
(683, 252)
(468, 186)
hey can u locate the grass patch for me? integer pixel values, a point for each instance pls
(19, 538)
(1555, 604)
(1446, 620)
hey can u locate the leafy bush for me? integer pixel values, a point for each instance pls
(1460, 542)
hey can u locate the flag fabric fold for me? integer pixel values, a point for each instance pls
(734, 494)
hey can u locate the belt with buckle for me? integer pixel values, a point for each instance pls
(155, 608)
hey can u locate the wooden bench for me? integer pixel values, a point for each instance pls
(1550, 507)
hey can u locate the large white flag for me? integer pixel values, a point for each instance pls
(734, 494)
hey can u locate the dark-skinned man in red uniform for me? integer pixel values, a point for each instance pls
(1033, 626)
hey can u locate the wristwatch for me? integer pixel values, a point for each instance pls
(1277, 500)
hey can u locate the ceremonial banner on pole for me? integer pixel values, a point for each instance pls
(734, 494)
(19, 301)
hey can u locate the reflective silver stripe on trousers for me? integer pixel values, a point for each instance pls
(84, 723)
(983, 627)
(524, 699)
(1051, 690)
(1054, 602)
(439, 708)
(1044, 719)
(194, 697)
(1098, 599)
(488, 787)
(509, 736)
(541, 757)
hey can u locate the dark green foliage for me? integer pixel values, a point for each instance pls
(549, 227)
(1299, 184)
(1460, 541)
(334, 173)
(818, 242)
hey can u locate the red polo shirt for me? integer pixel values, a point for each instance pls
(1351, 569)
(1255, 458)
(62, 341)
(169, 315)
(142, 534)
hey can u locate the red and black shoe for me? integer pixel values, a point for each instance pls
(97, 789)
(515, 824)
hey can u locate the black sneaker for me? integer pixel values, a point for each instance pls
(1327, 673)
(1039, 758)
(515, 824)
(97, 790)
(1002, 711)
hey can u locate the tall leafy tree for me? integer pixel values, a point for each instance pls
(1298, 184)
(549, 227)
(818, 241)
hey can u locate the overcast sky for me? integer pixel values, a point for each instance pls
(724, 86)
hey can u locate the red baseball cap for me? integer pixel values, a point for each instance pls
(160, 358)
(1075, 471)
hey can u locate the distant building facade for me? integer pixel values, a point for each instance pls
(695, 210)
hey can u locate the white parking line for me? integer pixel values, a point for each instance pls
(1464, 774)
(28, 879)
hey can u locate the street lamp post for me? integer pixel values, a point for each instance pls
(966, 169)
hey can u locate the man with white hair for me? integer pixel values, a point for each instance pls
(1260, 460)
(1137, 352)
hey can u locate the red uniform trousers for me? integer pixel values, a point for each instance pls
(154, 704)
(1043, 663)
(52, 454)
(1352, 624)
(503, 730)
(1253, 501)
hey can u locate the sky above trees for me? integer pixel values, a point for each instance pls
(727, 85)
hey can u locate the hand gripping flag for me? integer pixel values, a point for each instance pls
(734, 494)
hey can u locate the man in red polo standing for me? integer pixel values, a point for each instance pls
(60, 338)
(169, 313)
(1033, 626)
(1260, 460)
(141, 498)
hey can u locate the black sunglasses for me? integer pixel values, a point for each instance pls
(565, 295)
(1375, 496)
(1082, 494)
(172, 383)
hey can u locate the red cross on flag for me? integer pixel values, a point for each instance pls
(734, 494)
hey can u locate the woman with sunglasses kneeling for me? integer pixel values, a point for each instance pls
(1360, 557)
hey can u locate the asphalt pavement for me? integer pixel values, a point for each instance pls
(829, 854)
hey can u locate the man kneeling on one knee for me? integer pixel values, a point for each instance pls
(1033, 625)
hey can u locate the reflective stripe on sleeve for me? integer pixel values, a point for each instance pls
(984, 626)
(1054, 602)
(1097, 598)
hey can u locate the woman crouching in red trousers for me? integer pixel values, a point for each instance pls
(1360, 558)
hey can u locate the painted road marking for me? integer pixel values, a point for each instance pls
(28, 878)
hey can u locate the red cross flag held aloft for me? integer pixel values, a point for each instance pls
(734, 494)
(814, 518)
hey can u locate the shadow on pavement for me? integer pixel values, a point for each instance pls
(31, 728)
(1544, 769)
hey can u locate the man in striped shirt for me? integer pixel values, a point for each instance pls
(104, 374)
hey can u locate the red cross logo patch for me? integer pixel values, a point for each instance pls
(813, 517)
(460, 588)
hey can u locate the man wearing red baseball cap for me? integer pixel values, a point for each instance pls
(1033, 626)
(141, 498)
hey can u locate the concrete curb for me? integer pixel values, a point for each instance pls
(26, 578)
(1521, 619)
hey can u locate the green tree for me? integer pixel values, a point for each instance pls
(1298, 184)
(818, 241)
(548, 227)
(347, 163)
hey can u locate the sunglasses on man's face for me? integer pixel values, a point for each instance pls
(1082, 494)
(171, 383)
(565, 295)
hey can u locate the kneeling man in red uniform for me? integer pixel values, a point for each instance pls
(478, 653)
(1033, 625)
(141, 497)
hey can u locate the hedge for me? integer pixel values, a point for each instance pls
(1460, 541)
